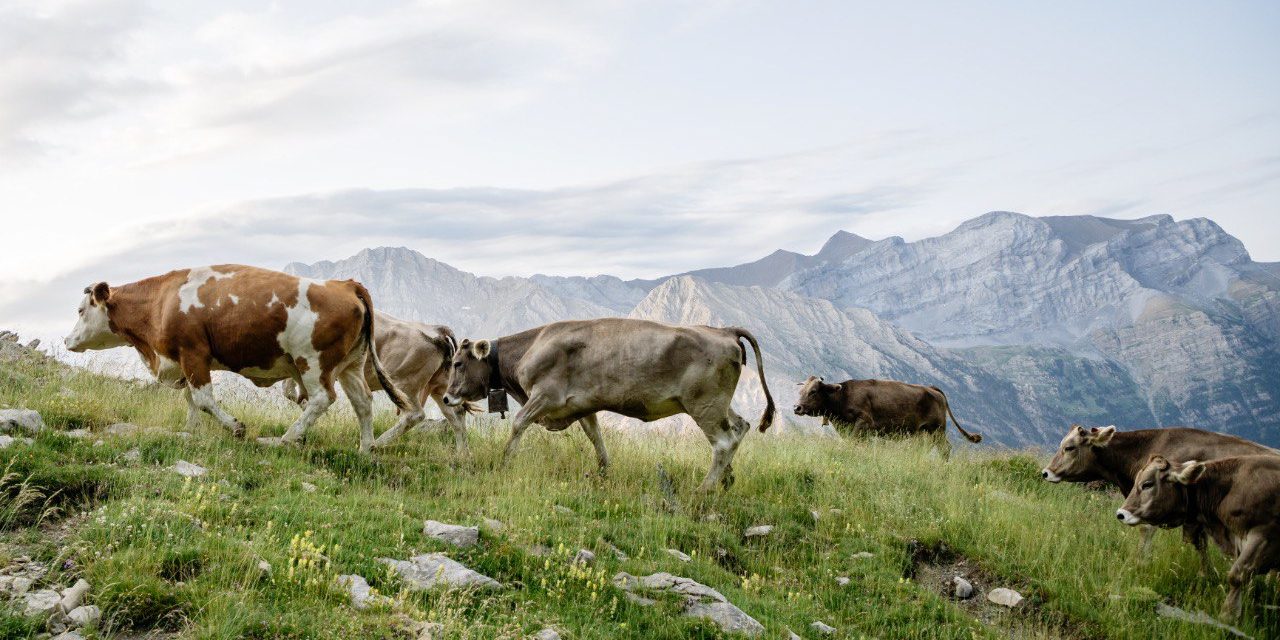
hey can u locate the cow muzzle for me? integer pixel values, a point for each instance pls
(1125, 516)
(451, 401)
(1050, 476)
(799, 410)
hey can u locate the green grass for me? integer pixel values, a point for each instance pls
(165, 553)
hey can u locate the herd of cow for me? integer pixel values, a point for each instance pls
(270, 326)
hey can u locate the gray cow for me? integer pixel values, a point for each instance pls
(415, 357)
(568, 371)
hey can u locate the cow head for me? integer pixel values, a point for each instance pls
(469, 373)
(93, 328)
(1158, 496)
(815, 395)
(1075, 460)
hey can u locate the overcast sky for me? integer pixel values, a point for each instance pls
(638, 139)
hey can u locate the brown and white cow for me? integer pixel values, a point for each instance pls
(884, 407)
(1237, 500)
(265, 325)
(568, 371)
(416, 357)
(1116, 457)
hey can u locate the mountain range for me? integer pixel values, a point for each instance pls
(1029, 324)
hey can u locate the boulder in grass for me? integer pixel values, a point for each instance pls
(432, 570)
(679, 555)
(822, 628)
(24, 420)
(362, 595)
(758, 531)
(699, 600)
(456, 535)
(1004, 597)
(84, 616)
(189, 470)
(41, 603)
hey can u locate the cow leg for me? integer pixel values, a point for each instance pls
(1254, 554)
(353, 384)
(193, 411)
(456, 417)
(591, 427)
(1194, 535)
(195, 368)
(943, 444)
(320, 395)
(408, 420)
(724, 438)
(527, 415)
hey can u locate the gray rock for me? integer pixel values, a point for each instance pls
(132, 455)
(68, 635)
(822, 627)
(547, 633)
(122, 429)
(791, 635)
(189, 470)
(432, 570)
(73, 595)
(308, 487)
(84, 616)
(78, 434)
(34, 344)
(7, 441)
(1197, 617)
(493, 525)
(456, 535)
(758, 531)
(25, 420)
(362, 595)
(843, 581)
(431, 631)
(863, 555)
(584, 557)
(1004, 597)
(22, 584)
(679, 555)
(813, 513)
(41, 603)
(963, 588)
(562, 510)
(699, 600)
(264, 566)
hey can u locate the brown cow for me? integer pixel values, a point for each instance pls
(1236, 499)
(1116, 457)
(881, 407)
(264, 325)
(568, 371)
(416, 357)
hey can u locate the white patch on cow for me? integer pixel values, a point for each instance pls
(235, 299)
(93, 329)
(189, 292)
(1051, 476)
(1128, 518)
(295, 340)
(275, 299)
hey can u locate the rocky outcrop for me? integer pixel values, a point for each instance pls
(433, 570)
(698, 600)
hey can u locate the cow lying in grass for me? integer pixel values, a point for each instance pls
(416, 357)
(1116, 457)
(1236, 500)
(265, 325)
(568, 371)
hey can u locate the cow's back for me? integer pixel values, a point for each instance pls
(892, 404)
(1182, 444)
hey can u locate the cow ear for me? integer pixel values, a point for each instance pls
(480, 349)
(1191, 471)
(1101, 436)
(1159, 461)
(100, 292)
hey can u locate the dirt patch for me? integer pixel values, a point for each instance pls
(934, 567)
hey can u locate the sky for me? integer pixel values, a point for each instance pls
(638, 139)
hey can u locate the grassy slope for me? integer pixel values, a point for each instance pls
(165, 553)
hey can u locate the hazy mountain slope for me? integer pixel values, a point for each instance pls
(804, 336)
(407, 284)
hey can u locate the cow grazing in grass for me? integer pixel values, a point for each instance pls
(1116, 457)
(416, 358)
(568, 371)
(1236, 500)
(264, 325)
(883, 407)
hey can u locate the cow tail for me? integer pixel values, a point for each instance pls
(767, 418)
(366, 334)
(971, 437)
